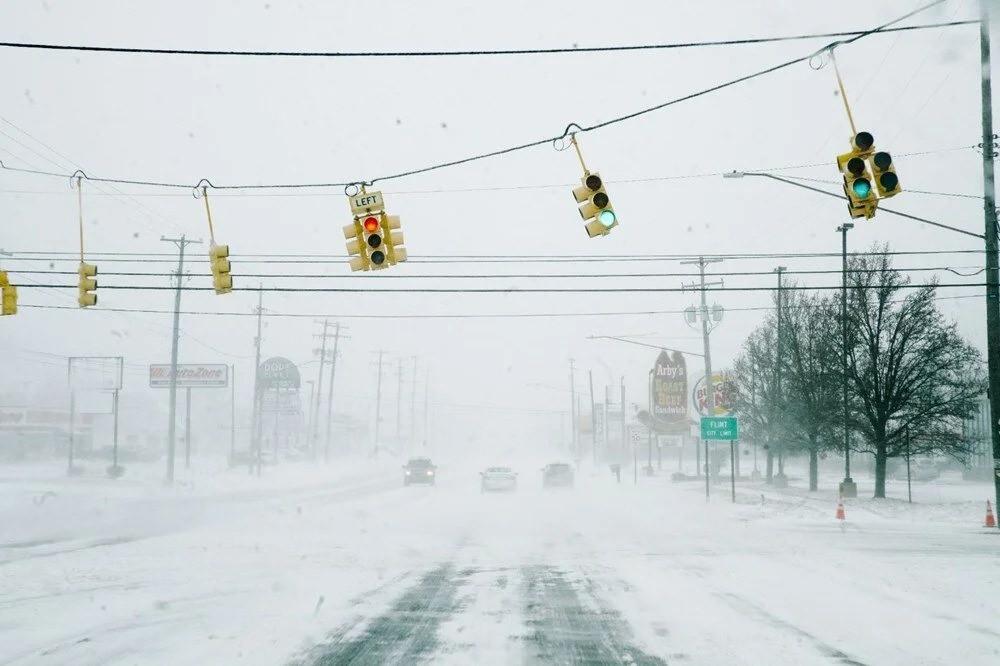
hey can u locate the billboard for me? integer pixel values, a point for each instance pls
(670, 388)
(190, 375)
(724, 394)
(278, 372)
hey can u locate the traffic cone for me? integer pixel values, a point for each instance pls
(990, 520)
(840, 510)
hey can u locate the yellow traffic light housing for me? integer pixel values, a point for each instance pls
(88, 284)
(393, 238)
(595, 205)
(861, 199)
(374, 239)
(218, 255)
(8, 295)
(886, 180)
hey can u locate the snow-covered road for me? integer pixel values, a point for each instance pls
(361, 570)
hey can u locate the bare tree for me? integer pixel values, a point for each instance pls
(756, 392)
(910, 371)
(812, 377)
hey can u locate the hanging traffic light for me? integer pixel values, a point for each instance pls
(393, 238)
(374, 239)
(218, 256)
(371, 232)
(595, 206)
(8, 295)
(857, 180)
(88, 284)
(886, 181)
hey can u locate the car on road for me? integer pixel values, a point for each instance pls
(557, 475)
(498, 479)
(419, 470)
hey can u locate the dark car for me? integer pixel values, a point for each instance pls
(557, 475)
(419, 470)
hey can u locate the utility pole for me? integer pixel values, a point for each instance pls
(427, 402)
(329, 399)
(780, 480)
(593, 418)
(624, 417)
(990, 217)
(705, 329)
(319, 388)
(256, 422)
(232, 413)
(181, 244)
(413, 408)
(847, 487)
(187, 428)
(606, 435)
(378, 399)
(399, 403)
(572, 409)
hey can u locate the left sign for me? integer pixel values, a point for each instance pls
(190, 375)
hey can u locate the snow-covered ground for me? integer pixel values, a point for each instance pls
(344, 565)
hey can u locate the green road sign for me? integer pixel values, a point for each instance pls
(720, 428)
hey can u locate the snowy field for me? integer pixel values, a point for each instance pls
(313, 566)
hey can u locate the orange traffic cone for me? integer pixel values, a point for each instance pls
(990, 520)
(840, 510)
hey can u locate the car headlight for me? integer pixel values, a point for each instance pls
(407, 472)
(430, 472)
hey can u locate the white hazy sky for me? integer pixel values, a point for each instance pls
(242, 120)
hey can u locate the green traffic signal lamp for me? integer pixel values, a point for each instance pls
(862, 188)
(607, 217)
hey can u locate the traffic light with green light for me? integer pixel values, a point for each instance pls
(595, 206)
(861, 201)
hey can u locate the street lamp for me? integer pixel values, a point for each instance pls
(847, 487)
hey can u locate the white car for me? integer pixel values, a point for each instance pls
(498, 479)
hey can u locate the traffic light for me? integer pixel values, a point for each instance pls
(88, 284)
(393, 238)
(374, 241)
(8, 295)
(886, 181)
(857, 180)
(218, 255)
(595, 206)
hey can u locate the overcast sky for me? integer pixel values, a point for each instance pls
(243, 120)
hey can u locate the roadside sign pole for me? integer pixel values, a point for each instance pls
(115, 449)
(187, 430)
(909, 488)
(732, 467)
(706, 471)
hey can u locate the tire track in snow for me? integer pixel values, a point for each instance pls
(406, 633)
(564, 631)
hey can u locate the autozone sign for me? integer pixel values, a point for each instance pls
(190, 375)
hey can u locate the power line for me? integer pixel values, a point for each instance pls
(509, 149)
(311, 258)
(497, 276)
(508, 290)
(495, 188)
(479, 52)
(502, 315)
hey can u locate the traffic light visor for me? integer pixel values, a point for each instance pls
(377, 257)
(889, 181)
(856, 166)
(863, 141)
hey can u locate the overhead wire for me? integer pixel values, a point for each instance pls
(468, 52)
(523, 146)
(464, 315)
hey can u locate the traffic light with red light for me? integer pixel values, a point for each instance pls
(374, 239)
(595, 206)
